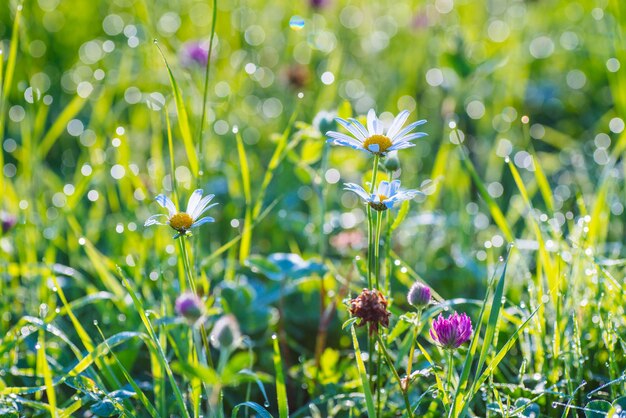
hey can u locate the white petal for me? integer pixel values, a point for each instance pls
(383, 188)
(400, 146)
(371, 117)
(202, 221)
(201, 206)
(410, 127)
(359, 126)
(393, 189)
(411, 137)
(195, 197)
(199, 214)
(154, 220)
(345, 138)
(351, 128)
(356, 189)
(397, 124)
(167, 203)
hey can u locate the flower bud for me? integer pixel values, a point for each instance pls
(419, 295)
(325, 121)
(226, 333)
(8, 221)
(392, 162)
(190, 307)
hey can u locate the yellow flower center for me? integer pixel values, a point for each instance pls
(381, 140)
(181, 221)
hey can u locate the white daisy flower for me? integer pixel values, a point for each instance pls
(183, 222)
(372, 139)
(385, 196)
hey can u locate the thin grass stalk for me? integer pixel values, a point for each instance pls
(405, 395)
(205, 94)
(416, 326)
(450, 355)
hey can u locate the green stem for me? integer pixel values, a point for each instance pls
(183, 250)
(416, 326)
(379, 221)
(450, 369)
(405, 395)
(370, 226)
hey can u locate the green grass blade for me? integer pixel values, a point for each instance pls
(369, 400)
(246, 234)
(59, 125)
(47, 374)
(254, 406)
(496, 212)
(183, 119)
(281, 389)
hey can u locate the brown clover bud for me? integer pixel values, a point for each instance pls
(371, 307)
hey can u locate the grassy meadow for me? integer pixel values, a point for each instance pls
(508, 227)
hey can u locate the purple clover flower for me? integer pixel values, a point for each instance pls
(451, 332)
(8, 221)
(194, 53)
(319, 4)
(419, 295)
(190, 307)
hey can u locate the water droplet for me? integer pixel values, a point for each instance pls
(95, 322)
(300, 95)
(273, 336)
(296, 23)
(266, 404)
(507, 159)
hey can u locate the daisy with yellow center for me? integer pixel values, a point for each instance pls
(183, 222)
(385, 196)
(373, 139)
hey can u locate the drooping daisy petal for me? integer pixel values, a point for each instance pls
(166, 202)
(154, 220)
(194, 199)
(202, 221)
(357, 189)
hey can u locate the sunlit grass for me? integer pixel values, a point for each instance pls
(520, 225)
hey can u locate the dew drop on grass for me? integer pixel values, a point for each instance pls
(37, 347)
(296, 23)
(273, 336)
(507, 159)
(266, 404)
(95, 322)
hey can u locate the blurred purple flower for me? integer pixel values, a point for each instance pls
(451, 332)
(194, 53)
(319, 4)
(8, 221)
(419, 295)
(190, 307)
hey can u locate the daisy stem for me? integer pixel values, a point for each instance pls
(379, 221)
(183, 250)
(383, 350)
(370, 225)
